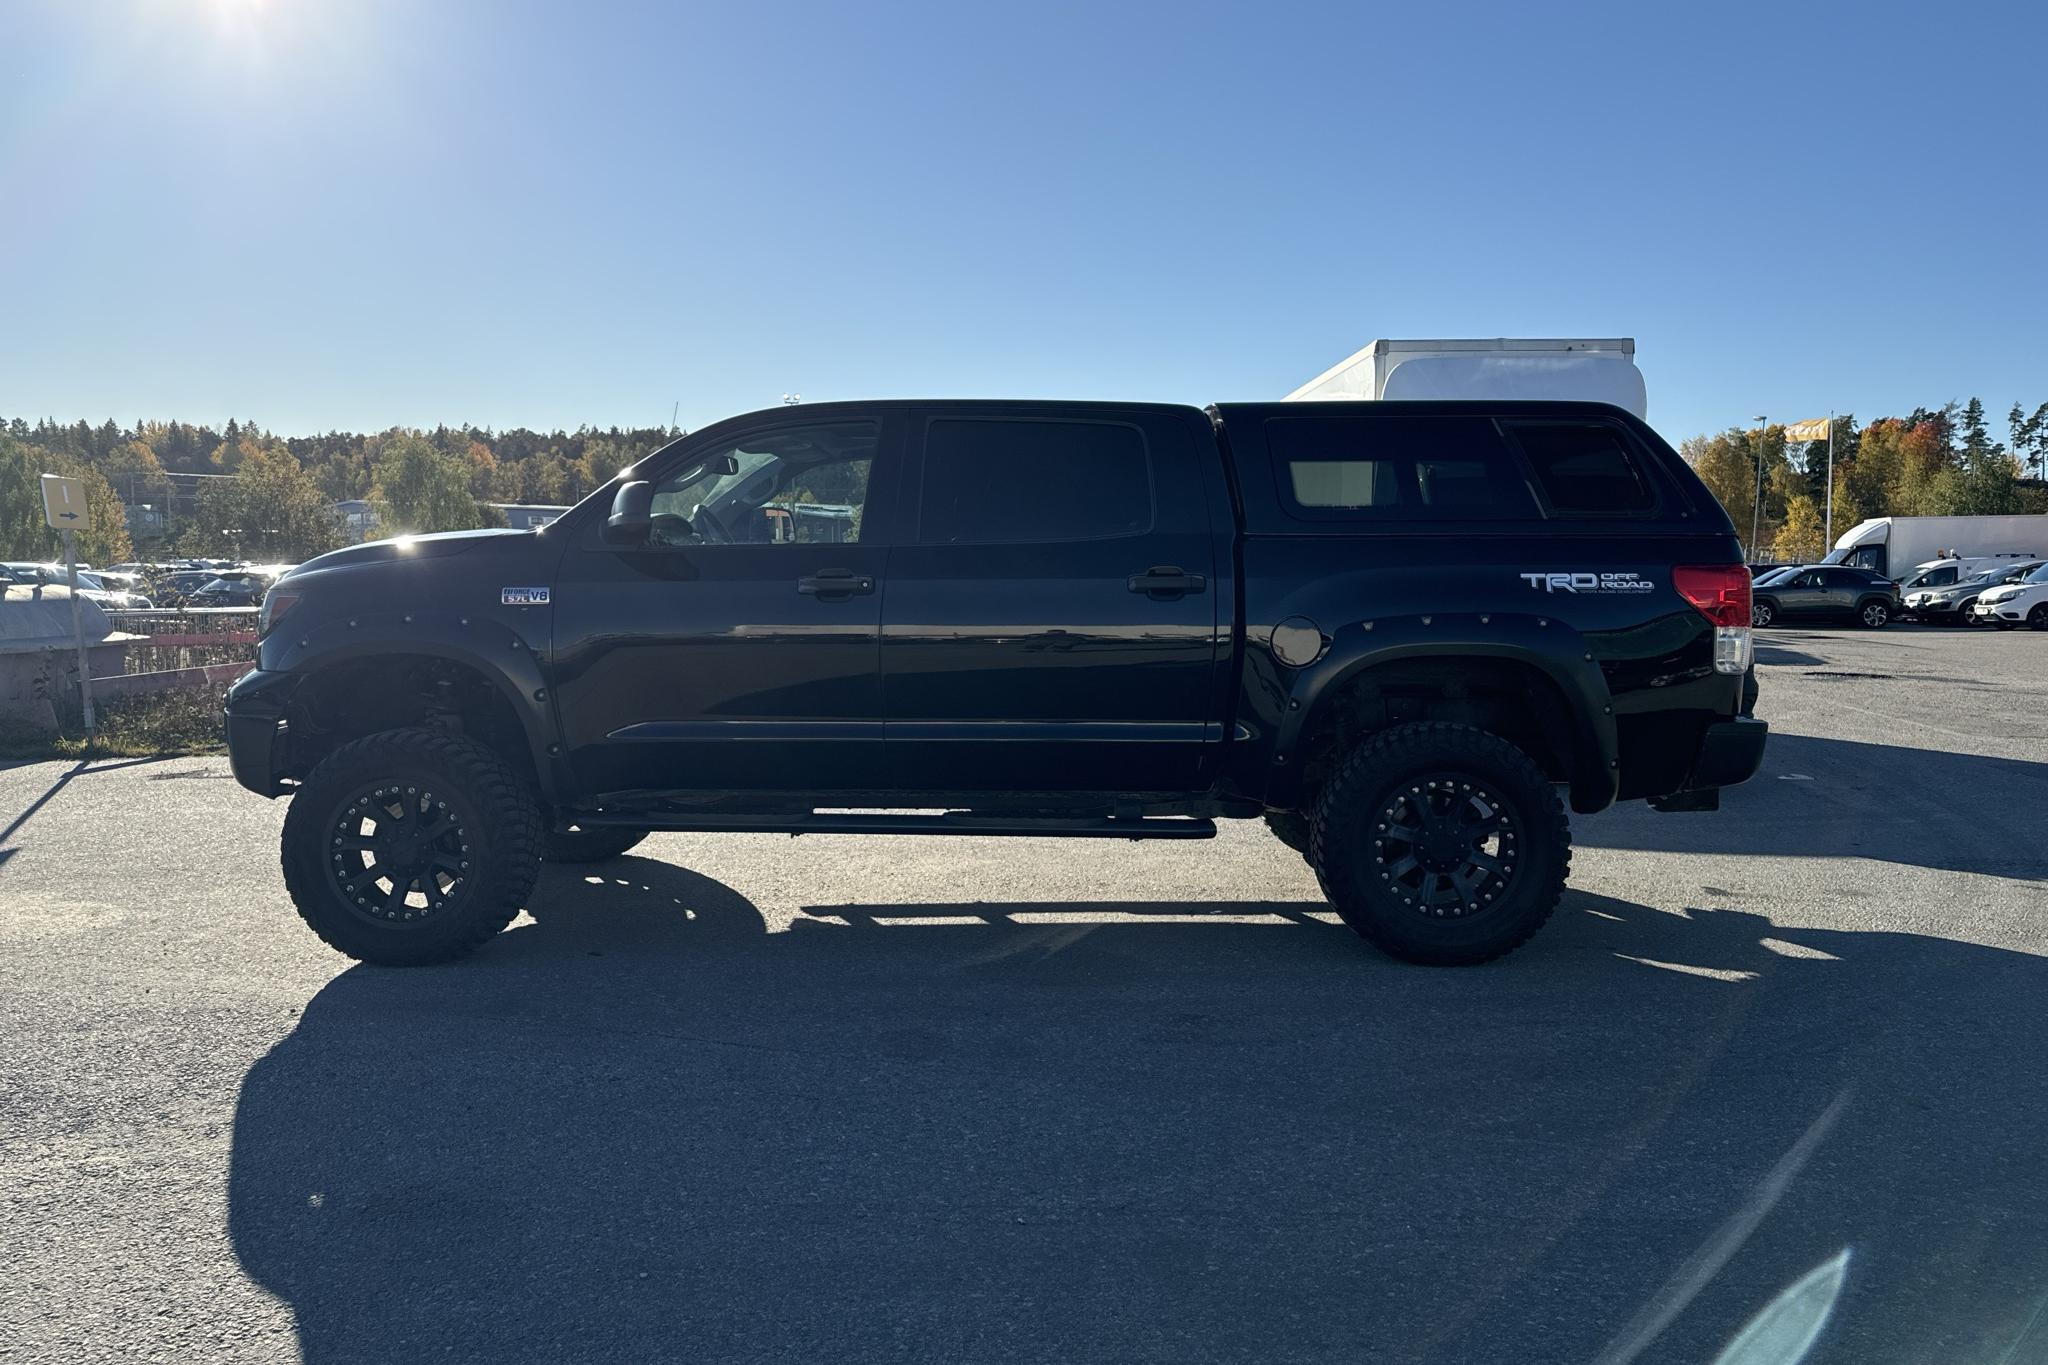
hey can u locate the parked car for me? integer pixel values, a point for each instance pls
(1108, 620)
(1826, 592)
(235, 588)
(2007, 606)
(91, 586)
(1952, 605)
(175, 588)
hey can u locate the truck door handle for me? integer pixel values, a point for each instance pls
(833, 583)
(1166, 581)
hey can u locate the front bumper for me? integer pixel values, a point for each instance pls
(1997, 611)
(256, 728)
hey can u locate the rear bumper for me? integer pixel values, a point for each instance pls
(1730, 752)
(255, 723)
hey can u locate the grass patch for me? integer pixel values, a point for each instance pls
(181, 721)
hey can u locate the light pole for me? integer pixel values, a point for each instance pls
(1756, 506)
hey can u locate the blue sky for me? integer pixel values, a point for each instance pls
(350, 213)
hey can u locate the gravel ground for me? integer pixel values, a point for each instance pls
(749, 1098)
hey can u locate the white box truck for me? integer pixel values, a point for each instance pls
(1601, 371)
(1896, 546)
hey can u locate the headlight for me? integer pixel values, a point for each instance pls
(275, 605)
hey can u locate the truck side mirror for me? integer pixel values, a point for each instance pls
(632, 514)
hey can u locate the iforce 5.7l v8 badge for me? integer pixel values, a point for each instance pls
(524, 597)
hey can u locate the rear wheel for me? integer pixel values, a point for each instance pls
(1441, 843)
(1874, 615)
(595, 845)
(1760, 613)
(411, 847)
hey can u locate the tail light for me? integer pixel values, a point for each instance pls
(1720, 592)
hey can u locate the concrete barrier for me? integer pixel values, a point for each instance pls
(38, 655)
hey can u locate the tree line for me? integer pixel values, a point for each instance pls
(1930, 463)
(274, 497)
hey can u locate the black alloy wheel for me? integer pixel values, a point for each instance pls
(1446, 845)
(410, 847)
(399, 854)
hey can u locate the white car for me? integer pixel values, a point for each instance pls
(91, 586)
(2026, 600)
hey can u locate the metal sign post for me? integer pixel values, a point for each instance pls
(65, 510)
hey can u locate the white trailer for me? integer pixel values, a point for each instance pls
(1895, 546)
(1602, 371)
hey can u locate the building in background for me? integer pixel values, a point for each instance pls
(526, 516)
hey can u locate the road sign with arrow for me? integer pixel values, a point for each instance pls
(64, 504)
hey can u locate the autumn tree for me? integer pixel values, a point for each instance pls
(1799, 539)
(271, 510)
(22, 532)
(421, 488)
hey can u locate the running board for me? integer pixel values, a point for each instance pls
(1092, 827)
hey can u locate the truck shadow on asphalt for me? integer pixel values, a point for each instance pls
(1835, 798)
(645, 1127)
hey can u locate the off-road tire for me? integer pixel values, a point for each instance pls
(493, 829)
(1290, 828)
(597, 845)
(1349, 843)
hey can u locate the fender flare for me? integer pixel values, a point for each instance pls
(1555, 650)
(511, 664)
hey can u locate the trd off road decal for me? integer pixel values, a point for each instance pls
(1588, 582)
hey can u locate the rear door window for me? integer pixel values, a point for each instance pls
(991, 481)
(1452, 467)
(1584, 468)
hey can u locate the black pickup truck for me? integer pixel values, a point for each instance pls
(1393, 630)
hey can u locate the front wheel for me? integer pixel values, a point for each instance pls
(2038, 617)
(411, 847)
(1760, 613)
(1874, 615)
(1441, 844)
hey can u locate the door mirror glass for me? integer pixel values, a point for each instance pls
(632, 514)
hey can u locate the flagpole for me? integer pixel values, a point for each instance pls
(1828, 534)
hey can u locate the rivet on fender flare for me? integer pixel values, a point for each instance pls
(555, 749)
(540, 694)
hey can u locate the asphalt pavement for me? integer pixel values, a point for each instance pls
(749, 1098)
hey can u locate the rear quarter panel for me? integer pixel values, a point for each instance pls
(1588, 601)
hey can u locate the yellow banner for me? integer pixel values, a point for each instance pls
(1816, 430)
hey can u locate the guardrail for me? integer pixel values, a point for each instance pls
(173, 647)
(166, 679)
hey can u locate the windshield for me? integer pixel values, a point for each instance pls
(1778, 575)
(2039, 575)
